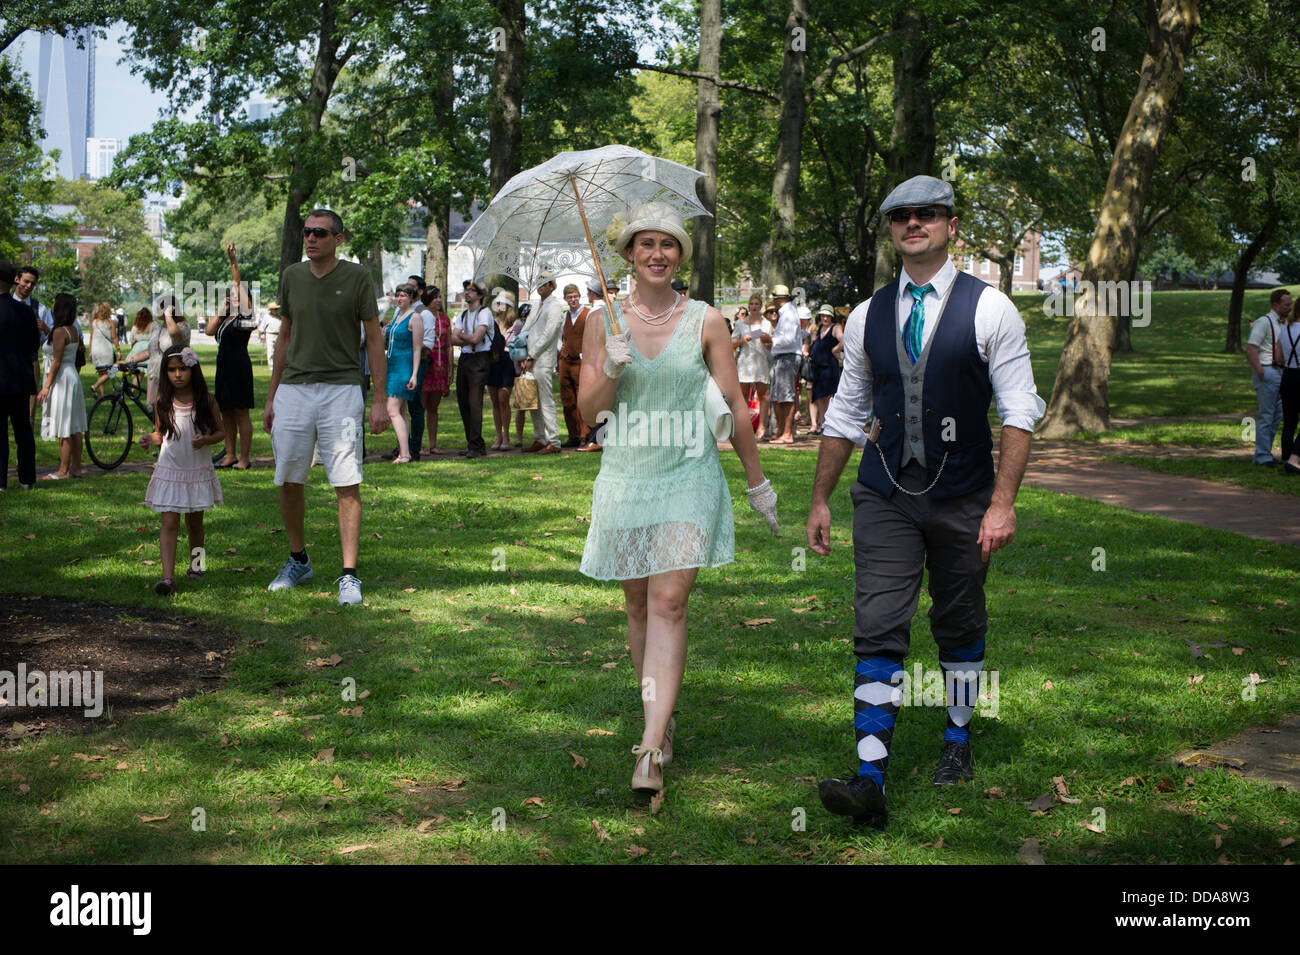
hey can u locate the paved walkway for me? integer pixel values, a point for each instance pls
(1079, 469)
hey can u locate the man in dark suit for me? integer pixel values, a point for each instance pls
(19, 339)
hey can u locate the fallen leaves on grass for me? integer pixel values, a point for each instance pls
(1288, 841)
(656, 803)
(144, 817)
(355, 711)
(579, 762)
(533, 801)
(1063, 791)
(428, 824)
(333, 661)
(759, 622)
(348, 850)
(324, 756)
(994, 792)
(599, 732)
(636, 851)
(601, 834)
(1040, 804)
(1030, 853)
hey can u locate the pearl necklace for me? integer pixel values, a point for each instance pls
(659, 318)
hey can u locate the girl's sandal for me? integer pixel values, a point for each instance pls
(165, 587)
(646, 756)
(193, 574)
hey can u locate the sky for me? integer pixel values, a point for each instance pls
(124, 104)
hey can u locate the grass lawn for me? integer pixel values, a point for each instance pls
(1235, 473)
(500, 704)
(1178, 366)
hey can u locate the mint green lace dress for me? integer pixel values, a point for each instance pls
(660, 501)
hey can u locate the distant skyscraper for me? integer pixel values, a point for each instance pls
(65, 86)
(100, 154)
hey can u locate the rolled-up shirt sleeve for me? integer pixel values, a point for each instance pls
(1002, 344)
(850, 406)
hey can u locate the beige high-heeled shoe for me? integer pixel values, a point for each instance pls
(647, 756)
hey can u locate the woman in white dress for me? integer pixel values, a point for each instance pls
(63, 397)
(103, 344)
(751, 336)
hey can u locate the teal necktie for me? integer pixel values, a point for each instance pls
(915, 321)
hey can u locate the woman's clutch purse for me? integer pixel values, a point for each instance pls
(717, 412)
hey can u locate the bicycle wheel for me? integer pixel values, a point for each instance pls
(108, 431)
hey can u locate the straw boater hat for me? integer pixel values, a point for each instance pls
(780, 291)
(503, 296)
(656, 216)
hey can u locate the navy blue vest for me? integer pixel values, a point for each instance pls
(955, 396)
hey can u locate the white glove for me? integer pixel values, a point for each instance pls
(618, 354)
(763, 500)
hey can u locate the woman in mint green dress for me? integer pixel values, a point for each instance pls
(660, 508)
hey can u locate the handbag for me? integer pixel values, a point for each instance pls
(524, 395)
(806, 368)
(754, 409)
(81, 354)
(717, 412)
(519, 347)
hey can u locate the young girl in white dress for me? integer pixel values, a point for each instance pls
(187, 419)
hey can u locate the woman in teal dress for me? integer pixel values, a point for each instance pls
(660, 508)
(405, 339)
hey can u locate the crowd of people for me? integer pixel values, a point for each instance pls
(928, 492)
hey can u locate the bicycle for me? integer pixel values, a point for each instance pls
(109, 427)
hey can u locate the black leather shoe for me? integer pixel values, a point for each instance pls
(571, 443)
(955, 764)
(860, 797)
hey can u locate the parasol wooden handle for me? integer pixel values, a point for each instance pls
(600, 272)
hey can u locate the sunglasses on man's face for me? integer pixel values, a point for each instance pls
(317, 231)
(922, 215)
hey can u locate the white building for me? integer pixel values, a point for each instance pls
(100, 153)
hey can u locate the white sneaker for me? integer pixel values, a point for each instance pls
(349, 591)
(291, 575)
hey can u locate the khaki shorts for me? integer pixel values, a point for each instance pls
(328, 416)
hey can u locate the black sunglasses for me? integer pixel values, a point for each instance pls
(922, 215)
(317, 231)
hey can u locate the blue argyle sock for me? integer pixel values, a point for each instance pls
(877, 693)
(961, 678)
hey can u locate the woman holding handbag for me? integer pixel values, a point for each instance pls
(660, 509)
(753, 343)
(233, 389)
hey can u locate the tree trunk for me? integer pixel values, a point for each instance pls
(507, 104)
(304, 176)
(912, 139)
(1079, 397)
(1123, 340)
(1239, 272)
(1006, 274)
(778, 254)
(707, 111)
(436, 238)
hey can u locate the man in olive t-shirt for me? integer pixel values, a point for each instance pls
(315, 396)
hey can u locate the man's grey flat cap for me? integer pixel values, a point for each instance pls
(918, 191)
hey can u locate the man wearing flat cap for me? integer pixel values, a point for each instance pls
(923, 357)
(543, 330)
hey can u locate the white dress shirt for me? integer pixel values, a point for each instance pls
(787, 337)
(999, 338)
